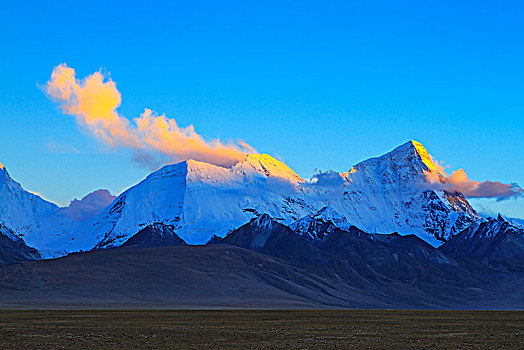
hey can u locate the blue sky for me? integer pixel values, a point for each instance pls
(321, 85)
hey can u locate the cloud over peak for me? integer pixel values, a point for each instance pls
(94, 101)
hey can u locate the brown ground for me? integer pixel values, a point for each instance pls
(359, 329)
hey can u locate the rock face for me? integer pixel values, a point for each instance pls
(356, 247)
(13, 249)
(266, 235)
(154, 235)
(320, 225)
(492, 241)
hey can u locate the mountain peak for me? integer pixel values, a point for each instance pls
(253, 164)
(411, 156)
(501, 219)
(263, 221)
(416, 144)
(320, 225)
(182, 169)
(2, 167)
(414, 148)
(328, 213)
(264, 163)
(155, 235)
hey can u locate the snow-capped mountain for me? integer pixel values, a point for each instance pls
(397, 192)
(391, 193)
(201, 199)
(401, 191)
(21, 211)
(42, 225)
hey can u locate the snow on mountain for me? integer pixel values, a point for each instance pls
(517, 222)
(390, 193)
(42, 225)
(21, 211)
(265, 164)
(263, 221)
(36, 221)
(201, 199)
(397, 192)
(493, 241)
(489, 228)
(320, 225)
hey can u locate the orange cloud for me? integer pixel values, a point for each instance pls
(94, 102)
(459, 181)
(439, 166)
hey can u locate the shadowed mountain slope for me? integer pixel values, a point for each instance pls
(492, 241)
(154, 235)
(391, 266)
(13, 249)
(175, 277)
(224, 276)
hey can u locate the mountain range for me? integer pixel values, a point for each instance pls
(392, 193)
(386, 233)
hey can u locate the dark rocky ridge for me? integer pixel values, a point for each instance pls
(495, 242)
(154, 235)
(14, 250)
